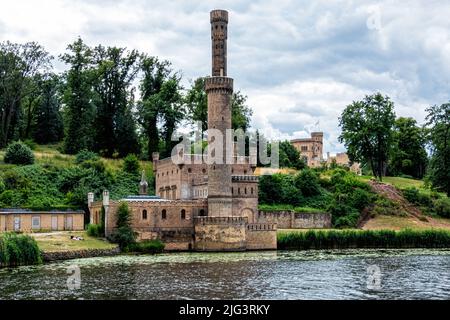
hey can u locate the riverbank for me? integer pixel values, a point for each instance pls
(345, 239)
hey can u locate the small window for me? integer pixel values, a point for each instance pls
(183, 214)
(189, 170)
(245, 190)
(144, 215)
(245, 171)
(239, 190)
(204, 170)
(36, 223)
(251, 190)
(164, 214)
(202, 213)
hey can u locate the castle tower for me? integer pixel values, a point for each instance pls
(219, 89)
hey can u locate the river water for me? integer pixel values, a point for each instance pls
(333, 274)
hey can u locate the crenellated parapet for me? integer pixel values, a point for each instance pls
(219, 84)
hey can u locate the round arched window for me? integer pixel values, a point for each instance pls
(183, 214)
(144, 214)
(164, 214)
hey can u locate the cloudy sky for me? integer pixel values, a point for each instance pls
(299, 62)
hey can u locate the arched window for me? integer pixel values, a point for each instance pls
(164, 214)
(144, 215)
(245, 190)
(183, 214)
(252, 190)
(202, 213)
(239, 190)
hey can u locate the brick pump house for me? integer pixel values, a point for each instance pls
(200, 207)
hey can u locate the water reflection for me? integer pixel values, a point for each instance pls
(331, 274)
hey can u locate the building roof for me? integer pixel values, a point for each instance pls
(144, 198)
(7, 211)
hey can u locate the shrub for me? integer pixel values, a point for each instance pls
(148, 246)
(442, 207)
(18, 153)
(85, 155)
(95, 230)
(124, 235)
(307, 181)
(131, 164)
(18, 249)
(414, 196)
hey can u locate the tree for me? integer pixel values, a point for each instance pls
(367, 131)
(408, 155)
(49, 127)
(197, 103)
(290, 157)
(115, 70)
(438, 123)
(78, 98)
(19, 64)
(124, 234)
(197, 107)
(155, 74)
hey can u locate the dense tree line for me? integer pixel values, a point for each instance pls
(110, 100)
(397, 146)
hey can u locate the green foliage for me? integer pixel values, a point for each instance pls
(131, 164)
(124, 235)
(363, 239)
(78, 97)
(95, 230)
(367, 131)
(19, 153)
(20, 66)
(289, 156)
(278, 189)
(148, 246)
(18, 249)
(430, 203)
(197, 107)
(438, 123)
(85, 155)
(49, 126)
(287, 207)
(442, 207)
(307, 181)
(115, 70)
(408, 156)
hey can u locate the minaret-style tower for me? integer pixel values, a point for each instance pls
(219, 89)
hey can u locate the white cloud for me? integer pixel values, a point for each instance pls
(299, 62)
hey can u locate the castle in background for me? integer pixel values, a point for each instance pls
(202, 207)
(311, 149)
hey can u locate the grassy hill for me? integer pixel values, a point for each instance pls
(56, 180)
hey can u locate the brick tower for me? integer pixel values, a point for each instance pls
(219, 89)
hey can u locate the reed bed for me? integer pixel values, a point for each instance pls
(346, 239)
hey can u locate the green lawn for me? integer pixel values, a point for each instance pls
(399, 182)
(60, 241)
(49, 154)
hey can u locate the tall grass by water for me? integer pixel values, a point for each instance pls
(18, 249)
(343, 239)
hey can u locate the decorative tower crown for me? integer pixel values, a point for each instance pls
(143, 185)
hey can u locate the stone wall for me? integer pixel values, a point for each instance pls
(261, 236)
(293, 220)
(220, 233)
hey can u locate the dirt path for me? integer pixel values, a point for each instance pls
(414, 219)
